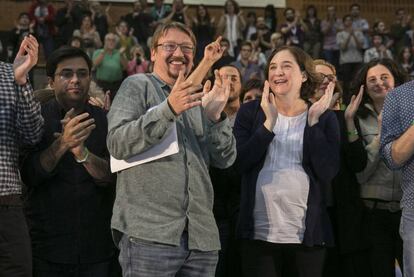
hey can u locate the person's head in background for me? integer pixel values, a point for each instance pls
(231, 7)
(233, 75)
(23, 20)
(75, 42)
(378, 77)
(251, 90)
(355, 10)
(327, 74)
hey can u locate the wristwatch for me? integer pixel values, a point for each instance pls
(85, 156)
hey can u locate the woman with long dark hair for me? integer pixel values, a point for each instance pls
(380, 187)
(203, 28)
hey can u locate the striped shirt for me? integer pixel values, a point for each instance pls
(20, 124)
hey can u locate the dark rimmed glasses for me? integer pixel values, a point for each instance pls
(171, 47)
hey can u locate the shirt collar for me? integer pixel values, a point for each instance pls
(162, 84)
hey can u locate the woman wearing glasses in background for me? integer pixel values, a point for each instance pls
(347, 212)
(287, 152)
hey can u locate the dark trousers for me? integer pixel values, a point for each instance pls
(347, 73)
(386, 242)
(43, 268)
(266, 259)
(15, 248)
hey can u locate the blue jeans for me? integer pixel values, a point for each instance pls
(141, 258)
(407, 235)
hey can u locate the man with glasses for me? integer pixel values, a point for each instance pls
(162, 218)
(70, 186)
(20, 124)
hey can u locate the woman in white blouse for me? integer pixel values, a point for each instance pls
(288, 151)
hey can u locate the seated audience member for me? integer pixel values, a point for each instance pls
(76, 42)
(381, 29)
(70, 185)
(257, 56)
(159, 11)
(126, 40)
(330, 27)
(276, 40)
(204, 29)
(270, 17)
(100, 18)
(226, 59)
(252, 90)
(90, 37)
(293, 29)
(109, 64)
(178, 13)
(138, 63)
(42, 14)
(263, 34)
(313, 36)
(67, 19)
(399, 28)
(377, 51)
(250, 28)
(350, 42)
(22, 29)
(287, 153)
(140, 22)
(249, 70)
(231, 26)
(406, 60)
(359, 23)
(380, 187)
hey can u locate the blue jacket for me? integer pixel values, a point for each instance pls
(321, 144)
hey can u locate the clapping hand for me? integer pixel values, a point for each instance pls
(268, 104)
(354, 104)
(75, 130)
(184, 95)
(25, 59)
(320, 106)
(215, 100)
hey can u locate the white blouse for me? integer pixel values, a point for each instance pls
(282, 186)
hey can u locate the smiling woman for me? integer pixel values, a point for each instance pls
(380, 187)
(282, 209)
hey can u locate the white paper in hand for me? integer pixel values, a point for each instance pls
(167, 146)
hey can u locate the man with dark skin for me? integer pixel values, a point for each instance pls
(70, 186)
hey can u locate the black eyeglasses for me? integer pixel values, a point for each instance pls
(330, 77)
(68, 74)
(171, 47)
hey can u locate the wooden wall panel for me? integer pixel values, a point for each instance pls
(371, 9)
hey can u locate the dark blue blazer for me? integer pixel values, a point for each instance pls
(321, 144)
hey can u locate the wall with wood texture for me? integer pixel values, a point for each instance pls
(371, 9)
